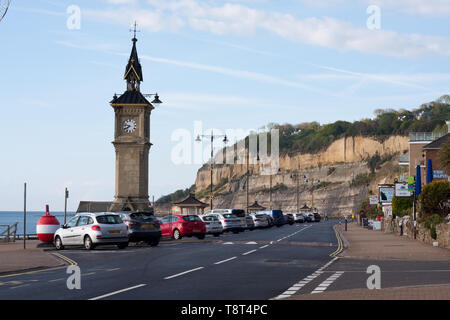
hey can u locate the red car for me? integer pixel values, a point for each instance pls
(178, 226)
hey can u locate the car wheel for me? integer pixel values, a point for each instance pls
(122, 245)
(201, 236)
(88, 245)
(176, 234)
(58, 243)
(216, 235)
(154, 243)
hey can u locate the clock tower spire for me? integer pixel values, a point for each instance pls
(132, 140)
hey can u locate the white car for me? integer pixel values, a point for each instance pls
(261, 220)
(213, 225)
(92, 229)
(310, 217)
(230, 221)
(299, 217)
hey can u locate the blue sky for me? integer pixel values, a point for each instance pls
(237, 64)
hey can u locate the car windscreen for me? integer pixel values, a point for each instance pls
(141, 216)
(239, 213)
(109, 219)
(277, 214)
(210, 218)
(229, 215)
(191, 218)
(260, 215)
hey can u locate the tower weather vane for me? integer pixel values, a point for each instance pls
(4, 5)
(134, 30)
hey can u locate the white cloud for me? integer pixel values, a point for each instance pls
(236, 19)
(428, 8)
(417, 7)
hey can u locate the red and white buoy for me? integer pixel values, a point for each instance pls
(47, 226)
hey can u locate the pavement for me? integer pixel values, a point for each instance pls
(410, 269)
(377, 245)
(14, 258)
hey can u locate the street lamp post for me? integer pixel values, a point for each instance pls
(312, 189)
(212, 137)
(270, 186)
(295, 176)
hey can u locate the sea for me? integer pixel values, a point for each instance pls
(11, 217)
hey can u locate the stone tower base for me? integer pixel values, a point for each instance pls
(130, 204)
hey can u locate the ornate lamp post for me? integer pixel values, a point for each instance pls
(212, 137)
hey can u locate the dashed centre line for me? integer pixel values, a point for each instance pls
(182, 273)
(249, 252)
(223, 261)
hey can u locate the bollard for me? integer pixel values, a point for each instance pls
(346, 224)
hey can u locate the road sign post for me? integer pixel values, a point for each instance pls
(25, 215)
(66, 195)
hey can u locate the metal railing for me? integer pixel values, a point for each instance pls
(425, 136)
(9, 235)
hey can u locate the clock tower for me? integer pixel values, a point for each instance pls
(132, 140)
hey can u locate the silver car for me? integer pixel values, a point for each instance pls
(299, 217)
(142, 226)
(261, 220)
(213, 225)
(229, 221)
(92, 229)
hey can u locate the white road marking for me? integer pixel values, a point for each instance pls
(228, 243)
(182, 273)
(293, 234)
(299, 285)
(325, 284)
(251, 242)
(249, 252)
(223, 261)
(264, 246)
(117, 292)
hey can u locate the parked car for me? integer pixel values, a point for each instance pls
(230, 221)
(299, 217)
(276, 217)
(179, 226)
(289, 218)
(309, 217)
(213, 225)
(317, 217)
(91, 230)
(142, 226)
(250, 223)
(260, 220)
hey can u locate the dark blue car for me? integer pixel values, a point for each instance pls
(276, 216)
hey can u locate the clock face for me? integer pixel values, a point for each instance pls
(129, 126)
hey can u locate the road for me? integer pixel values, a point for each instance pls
(257, 265)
